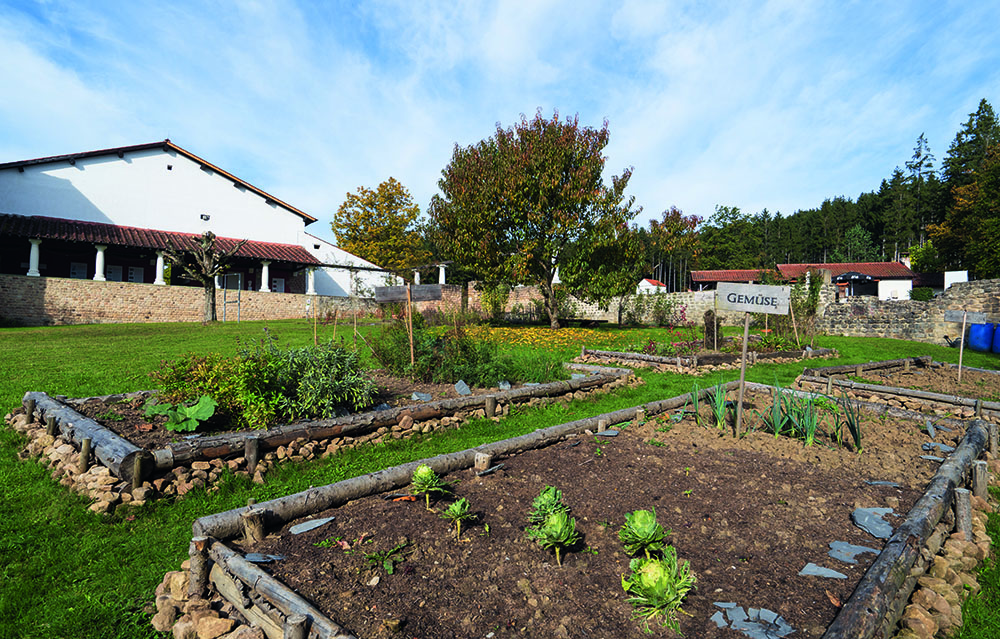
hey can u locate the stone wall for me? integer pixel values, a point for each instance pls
(43, 301)
(911, 320)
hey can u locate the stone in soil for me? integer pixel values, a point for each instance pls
(870, 520)
(813, 570)
(845, 552)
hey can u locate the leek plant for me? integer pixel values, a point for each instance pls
(657, 587)
(775, 418)
(852, 419)
(456, 513)
(804, 418)
(641, 532)
(425, 481)
(695, 403)
(718, 405)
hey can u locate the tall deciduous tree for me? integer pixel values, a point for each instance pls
(517, 206)
(203, 263)
(380, 226)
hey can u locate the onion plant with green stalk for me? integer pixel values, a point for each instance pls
(557, 532)
(425, 481)
(641, 532)
(852, 419)
(456, 513)
(657, 588)
(696, 403)
(718, 405)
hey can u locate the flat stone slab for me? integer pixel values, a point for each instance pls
(845, 552)
(933, 458)
(607, 433)
(306, 526)
(417, 396)
(944, 448)
(814, 570)
(262, 558)
(870, 520)
(882, 482)
(462, 388)
(930, 429)
(756, 623)
(505, 385)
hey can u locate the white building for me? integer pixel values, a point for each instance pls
(108, 214)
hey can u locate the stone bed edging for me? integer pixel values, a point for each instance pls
(708, 362)
(109, 491)
(917, 546)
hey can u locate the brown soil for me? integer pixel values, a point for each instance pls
(940, 379)
(128, 419)
(747, 514)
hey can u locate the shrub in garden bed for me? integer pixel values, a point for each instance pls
(264, 384)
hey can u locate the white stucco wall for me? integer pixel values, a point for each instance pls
(341, 282)
(140, 190)
(894, 289)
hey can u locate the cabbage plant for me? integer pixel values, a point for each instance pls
(456, 513)
(557, 532)
(425, 481)
(549, 501)
(657, 587)
(641, 532)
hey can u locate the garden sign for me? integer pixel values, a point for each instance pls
(750, 298)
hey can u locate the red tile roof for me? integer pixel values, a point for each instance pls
(94, 232)
(731, 275)
(653, 282)
(165, 145)
(880, 270)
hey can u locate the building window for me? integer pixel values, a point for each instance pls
(135, 274)
(78, 270)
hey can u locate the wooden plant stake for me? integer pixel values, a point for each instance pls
(640, 415)
(84, 465)
(409, 320)
(482, 462)
(963, 512)
(295, 627)
(336, 316)
(50, 426)
(200, 565)
(29, 409)
(829, 385)
(491, 407)
(251, 450)
(356, 330)
(137, 472)
(743, 373)
(980, 478)
(961, 345)
(602, 425)
(992, 426)
(315, 320)
(253, 525)
(791, 311)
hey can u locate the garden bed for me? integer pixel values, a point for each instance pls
(702, 361)
(125, 471)
(748, 514)
(917, 383)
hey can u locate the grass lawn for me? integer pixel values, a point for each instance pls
(66, 572)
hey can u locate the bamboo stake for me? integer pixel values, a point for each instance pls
(743, 373)
(409, 320)
(795, 328)
(336, 316)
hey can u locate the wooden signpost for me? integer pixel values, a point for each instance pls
(750, 298)
(410, 293)
(965, 317)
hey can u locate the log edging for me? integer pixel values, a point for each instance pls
(827, 371)
(710, 359)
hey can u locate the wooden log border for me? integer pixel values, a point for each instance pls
(711, 359)
(120, 455)
(875, 606)
(851, 369)
(953, 400)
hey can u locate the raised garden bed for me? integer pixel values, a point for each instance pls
(917, 383)
(748, 514)
(703, 361)
(122, 471)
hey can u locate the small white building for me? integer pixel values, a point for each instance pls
(108, 215)
(648, 286)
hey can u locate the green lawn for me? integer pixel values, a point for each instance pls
(69, 573)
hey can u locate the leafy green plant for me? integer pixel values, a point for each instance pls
(182, 417)
(641, 532)
(657, 588)
(803, 417)
(110, 416)
(557, 532)
(718, 405)
(388, 559)
(425, 481)
(456, 513)
(549, 501)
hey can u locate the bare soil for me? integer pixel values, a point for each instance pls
(748, 514)
(941, 379)
(128, 419)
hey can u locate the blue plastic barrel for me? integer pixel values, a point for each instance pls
(981, 337)
(996, 340)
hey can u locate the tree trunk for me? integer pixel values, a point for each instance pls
(551, 305)
(208, 311)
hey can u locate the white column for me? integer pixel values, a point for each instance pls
(441, 268)
(159, 269)
(99, 263)
(33, 259)
(265, 277)
(310, 281)
(416, 277)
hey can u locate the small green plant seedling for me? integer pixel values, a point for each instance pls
(656, 442)
(642, 533)
(425, 481)
(657, 587)
(687, 493)
(388, 558)
(111, 416)
(456, 513)
(182, 417)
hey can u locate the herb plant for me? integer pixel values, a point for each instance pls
(456, 513)
(182, 417)
(641, 532)
(657, 587)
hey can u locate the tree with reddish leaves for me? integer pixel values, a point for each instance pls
(517, 206)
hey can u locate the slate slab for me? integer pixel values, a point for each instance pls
(306, 526)
(944, 448)
(462, 388)
(933, 458)
(845, 552)
(870, 520)
(813, 570)
(607, 433)
(417, 396)
(756, 623)
(505, 385)
(881, 482)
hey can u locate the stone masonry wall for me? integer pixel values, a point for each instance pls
(911, 320)
(43, 301)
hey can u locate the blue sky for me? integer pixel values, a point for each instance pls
(774, 105)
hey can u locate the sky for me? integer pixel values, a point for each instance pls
(758, 105)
